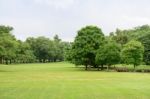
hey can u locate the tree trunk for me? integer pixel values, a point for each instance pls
(107, 67)
(6, 61)
(85, 67)
(43, 60)
(101, 67)
(114, 66)
(49, 60)
(1, 60)
(89, 67)
(14, 61)
(54, 59)
(40, 60)
(134, 67)
(10, 61)
(98, 67)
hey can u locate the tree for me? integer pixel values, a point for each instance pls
(57, 49)
(145, 39)
(137, 32)
(132, 53)
(8, 44)
(4, 32)
(56, 38)
(2, 53)
(140, 33)
(120, 36)
(10, 49)
(25, 53)
(85, 46)
(108, 54)
(47, 50)
(41, 48)
(68, 52)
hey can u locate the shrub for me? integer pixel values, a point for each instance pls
(147, 70)
(122, 69)
(139, 70)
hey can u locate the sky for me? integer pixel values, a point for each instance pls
(33, 18)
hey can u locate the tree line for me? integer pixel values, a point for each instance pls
(40, 49)
(92, 48)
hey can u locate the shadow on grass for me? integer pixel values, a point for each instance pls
(89, 69)
(5, 71)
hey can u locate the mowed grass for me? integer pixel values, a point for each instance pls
(65, 81)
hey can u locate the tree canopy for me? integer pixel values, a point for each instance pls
(40, 49)
(90, 48)
(132, 53)
(86, 44)
(145, 40)
(108, 54)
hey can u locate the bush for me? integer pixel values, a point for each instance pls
(143, 70)
(122, 69)
(139, 70)
(147, 70)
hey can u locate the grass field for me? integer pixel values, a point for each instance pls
(64, 81)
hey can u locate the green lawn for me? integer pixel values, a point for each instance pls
(64, 81)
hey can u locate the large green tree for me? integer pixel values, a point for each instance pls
(145, 39)
(132, 53)
(42, 48)
(108, 54)
(10, 47)
(25, 53)
(57, 49)
(85, 46)
(8, 44)
(140, 33)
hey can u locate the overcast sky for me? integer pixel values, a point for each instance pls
(65, 17)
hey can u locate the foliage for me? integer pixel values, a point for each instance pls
(120, 37)
(24, 53)
(8, 44)
(140, 33)
(132, 53)
(40, 49)
(137, 32)
(145, 40)
(90, 47)
(86, 44)
(47, 50)
(68, 52)
(108, 54)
